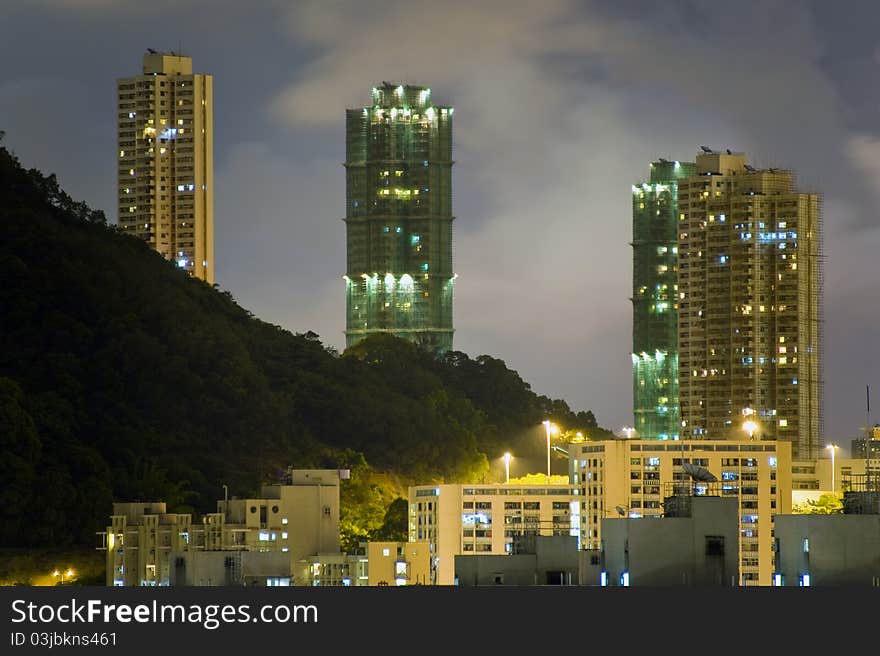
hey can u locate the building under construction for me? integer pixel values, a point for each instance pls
(655, 301)
(750, 289)
(398, 217)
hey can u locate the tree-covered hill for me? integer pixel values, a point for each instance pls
(121, 378)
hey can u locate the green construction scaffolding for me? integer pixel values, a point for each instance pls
(399, 277)
(655, 301)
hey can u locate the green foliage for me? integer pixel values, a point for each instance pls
(826, 504)
(122, 378)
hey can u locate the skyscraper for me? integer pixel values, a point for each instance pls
(749, 282)
(398, 218)
(655, 301)
(166, 152)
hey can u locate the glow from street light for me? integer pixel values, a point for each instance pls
(507, 458)
(749, 424)
(832, 448)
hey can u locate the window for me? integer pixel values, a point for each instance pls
(714, 545)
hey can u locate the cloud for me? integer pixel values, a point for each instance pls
(560, 106)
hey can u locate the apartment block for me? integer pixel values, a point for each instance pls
(655, 301)
(165, 161)
(627, 478)
(399, 275)
(147, 546)
(749, 306)
(457, 519)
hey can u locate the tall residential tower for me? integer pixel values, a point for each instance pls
(398, 218)
(655, 301)
(166, 170)
(749, 281)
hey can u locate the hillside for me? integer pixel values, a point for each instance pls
(121, 378)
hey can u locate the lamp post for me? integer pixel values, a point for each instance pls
(549, 428)
(832, 448)
(507, 458)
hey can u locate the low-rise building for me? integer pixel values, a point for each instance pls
(534, 560)
(841, 549)
(297, 518)
(458, 519)
(694, 543)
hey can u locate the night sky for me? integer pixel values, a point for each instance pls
(560, 107)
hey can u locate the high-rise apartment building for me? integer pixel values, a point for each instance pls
(749, 287)
(655, 301)
(398, 218)
(166, 171)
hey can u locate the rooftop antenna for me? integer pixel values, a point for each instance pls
(698, 473)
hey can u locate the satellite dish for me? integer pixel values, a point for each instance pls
(728, 152)
(664, 161)
(620, 511)
(706, 149)
(698, 473)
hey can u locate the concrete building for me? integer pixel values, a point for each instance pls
(655, 301)
(810, 479)
(695, 542)
(750, 288)
(840, 549)
(534, 560)
(458, 519)
(139, 540)
(166, 161)
(229, 567)
(296, 519)
(631, 474)
(398, 218)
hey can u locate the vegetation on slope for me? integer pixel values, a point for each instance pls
(121, 378)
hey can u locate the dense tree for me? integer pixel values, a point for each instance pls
(122, 378)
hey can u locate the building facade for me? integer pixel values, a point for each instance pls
(296, 519)
(655, 301)
(165, 161)
(750, 285)
(542, 560)
(456, 519)
(828, 550)
(399, 275)
(694, 545)
(627, 477)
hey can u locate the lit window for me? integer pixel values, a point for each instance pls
(386, 552)
(783, 423)
(284, 520)
(264, 535)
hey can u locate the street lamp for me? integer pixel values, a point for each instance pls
(68, 574)
(833, 448)
(507, 458)
(628, 431)
(549, 428)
